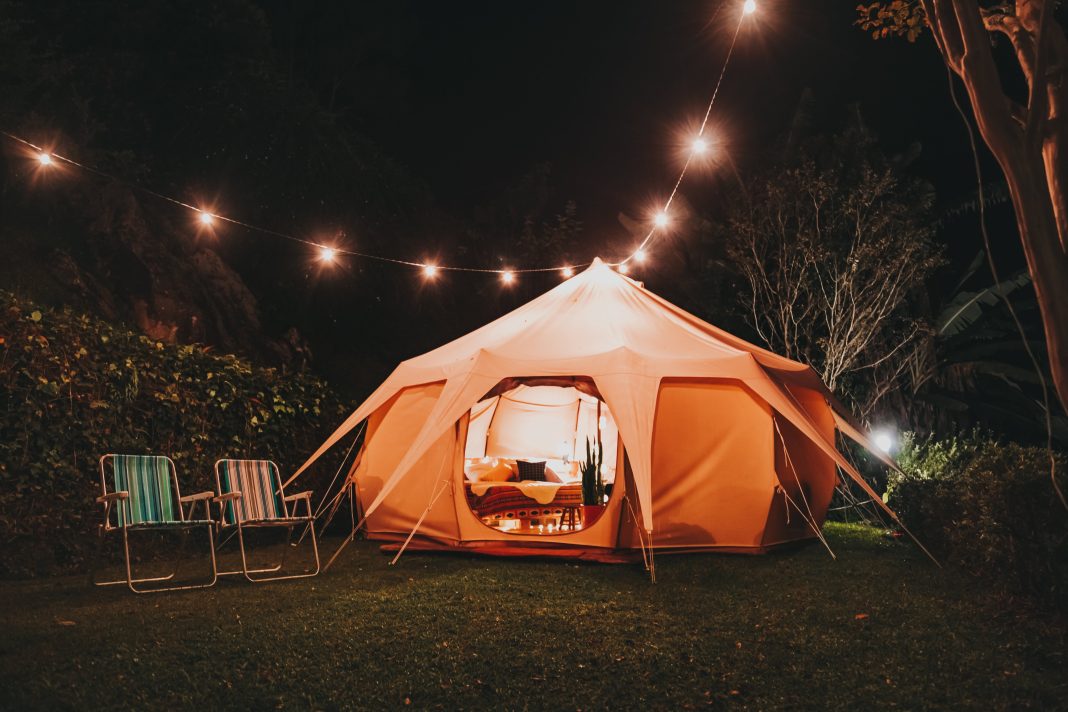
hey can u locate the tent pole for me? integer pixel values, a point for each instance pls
(352, 535)
(652, 560)
(811, 518)
(445, 484)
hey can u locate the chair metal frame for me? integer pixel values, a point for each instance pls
(186, 524)
(290, 520)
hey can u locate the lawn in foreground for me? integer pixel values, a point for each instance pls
(880, 627)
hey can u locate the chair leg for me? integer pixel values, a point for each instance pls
(127, 579)
(262, 579)
(244, 570)
(130, 580)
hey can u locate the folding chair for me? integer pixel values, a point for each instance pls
(146, 498)
(251, 496)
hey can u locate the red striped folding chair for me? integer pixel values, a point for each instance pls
(251, 496)
(145, 497)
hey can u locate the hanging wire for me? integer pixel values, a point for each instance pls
(46, 157)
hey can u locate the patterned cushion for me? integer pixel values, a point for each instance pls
(260, 487)
(531, 471)
(150, 481)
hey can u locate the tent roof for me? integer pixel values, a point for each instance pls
(597, 312)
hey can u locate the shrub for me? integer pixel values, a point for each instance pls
(75, 387)
(988, 508)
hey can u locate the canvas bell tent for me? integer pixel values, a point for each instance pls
(598, 420)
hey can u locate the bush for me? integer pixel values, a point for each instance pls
(75, 388)
(988, 508)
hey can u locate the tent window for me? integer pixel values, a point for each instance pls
(525, 454)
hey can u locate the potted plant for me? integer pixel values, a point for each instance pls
(592, 482)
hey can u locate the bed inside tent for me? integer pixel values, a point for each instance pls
(540, 459)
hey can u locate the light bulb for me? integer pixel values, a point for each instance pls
(623, 269)
(884, 440)
(749, 7)
(567, 272)
(699, 145)
(507, 276)
(430, 271)
(661, 219)
(327, 254)
(206, 218)
(639, 255)
(44, 159)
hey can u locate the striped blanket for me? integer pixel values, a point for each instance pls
(510, 502)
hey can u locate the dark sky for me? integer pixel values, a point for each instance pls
(471, 95)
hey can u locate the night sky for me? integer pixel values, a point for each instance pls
(474, 94)
(240, 102)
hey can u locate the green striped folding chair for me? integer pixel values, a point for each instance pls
(251, 496)
(145, 497)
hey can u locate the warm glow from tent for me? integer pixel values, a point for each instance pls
(327, 254)
(508, 277)
(749, 7)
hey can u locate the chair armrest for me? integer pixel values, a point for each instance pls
(113, 497)
(228, 497)
(298, 495)
(197, 497)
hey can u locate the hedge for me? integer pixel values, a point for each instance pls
(75, 387)
(988, 508)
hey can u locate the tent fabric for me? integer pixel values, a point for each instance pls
(604, 331)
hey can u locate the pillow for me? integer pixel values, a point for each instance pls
(531, 471)
(500, 473)
(477, 470)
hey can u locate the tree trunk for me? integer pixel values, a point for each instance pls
(1030, 151)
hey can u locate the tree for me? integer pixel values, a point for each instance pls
(834, 247)
(1027, 134)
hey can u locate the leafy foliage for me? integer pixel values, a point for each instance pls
(901, 18)
(971, 370)
(987, 508)
(76, 388)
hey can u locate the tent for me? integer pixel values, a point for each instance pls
(710, 442)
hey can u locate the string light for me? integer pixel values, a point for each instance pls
(699, 146)
(748, 8)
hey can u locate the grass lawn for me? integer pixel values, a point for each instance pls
(878, 628)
